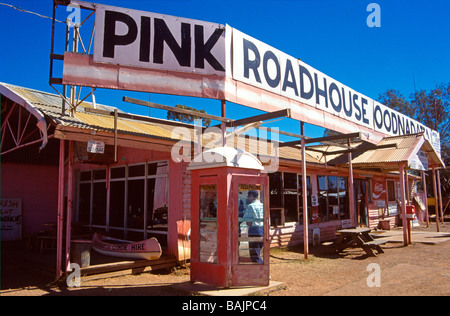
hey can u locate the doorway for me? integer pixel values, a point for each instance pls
(361, 209)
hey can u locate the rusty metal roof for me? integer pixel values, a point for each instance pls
(50, 105)
(389, 158)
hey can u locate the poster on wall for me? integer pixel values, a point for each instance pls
(11, 218)
(379, 190)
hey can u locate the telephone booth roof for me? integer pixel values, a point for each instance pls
(225, 157)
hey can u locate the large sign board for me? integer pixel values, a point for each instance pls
(265, 67)
(137, 50)
(156, 41)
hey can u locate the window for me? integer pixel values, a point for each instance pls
(138, 200)
(286, 195)
(333, 198)
(135, 204)
(322, 197)
(300, 197)
(275, 189)
(117, 203)
(99, 204)
(276, 199)
(157, 197)
(208, 223)
(251, 224)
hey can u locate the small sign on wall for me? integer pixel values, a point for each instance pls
(11, 218)
(347, 223)
(314, 200)
(95, 147)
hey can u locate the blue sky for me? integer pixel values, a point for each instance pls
(410, 50)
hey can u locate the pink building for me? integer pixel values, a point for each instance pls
(129, 186)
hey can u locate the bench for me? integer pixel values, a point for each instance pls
(358, 237)
(374, 244)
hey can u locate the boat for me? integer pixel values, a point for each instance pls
(148, 249)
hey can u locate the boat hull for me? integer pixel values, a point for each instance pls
(148, 249)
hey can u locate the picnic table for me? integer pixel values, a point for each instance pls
(358, 238)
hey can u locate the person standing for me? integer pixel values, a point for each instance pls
(255, 214)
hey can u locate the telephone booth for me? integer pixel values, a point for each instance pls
(229, 219)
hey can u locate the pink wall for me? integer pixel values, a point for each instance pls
(37, 186)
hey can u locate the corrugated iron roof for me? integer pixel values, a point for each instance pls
(406, 146)
(385, 155)
(51, 106)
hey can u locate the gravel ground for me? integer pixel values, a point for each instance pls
(418, 269)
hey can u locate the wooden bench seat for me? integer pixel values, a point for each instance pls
(376, 242)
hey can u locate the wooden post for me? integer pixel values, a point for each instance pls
(223, 125)
(438, 177)
(115, 134)
(60, 215)
(304, 194)
(403, 205)
(351, 190)
(408, 196)
(426, 200)
(69, 204)
(436, 202)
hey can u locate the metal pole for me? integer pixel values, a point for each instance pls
(304, 194)
(403, 205)
(351, 185)
(60, 216)
(73, 89)
(223, 125)
(438, 177)
(408, 202)
(69, 204)
(426, 200)
(115, 134)
(435, 199)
